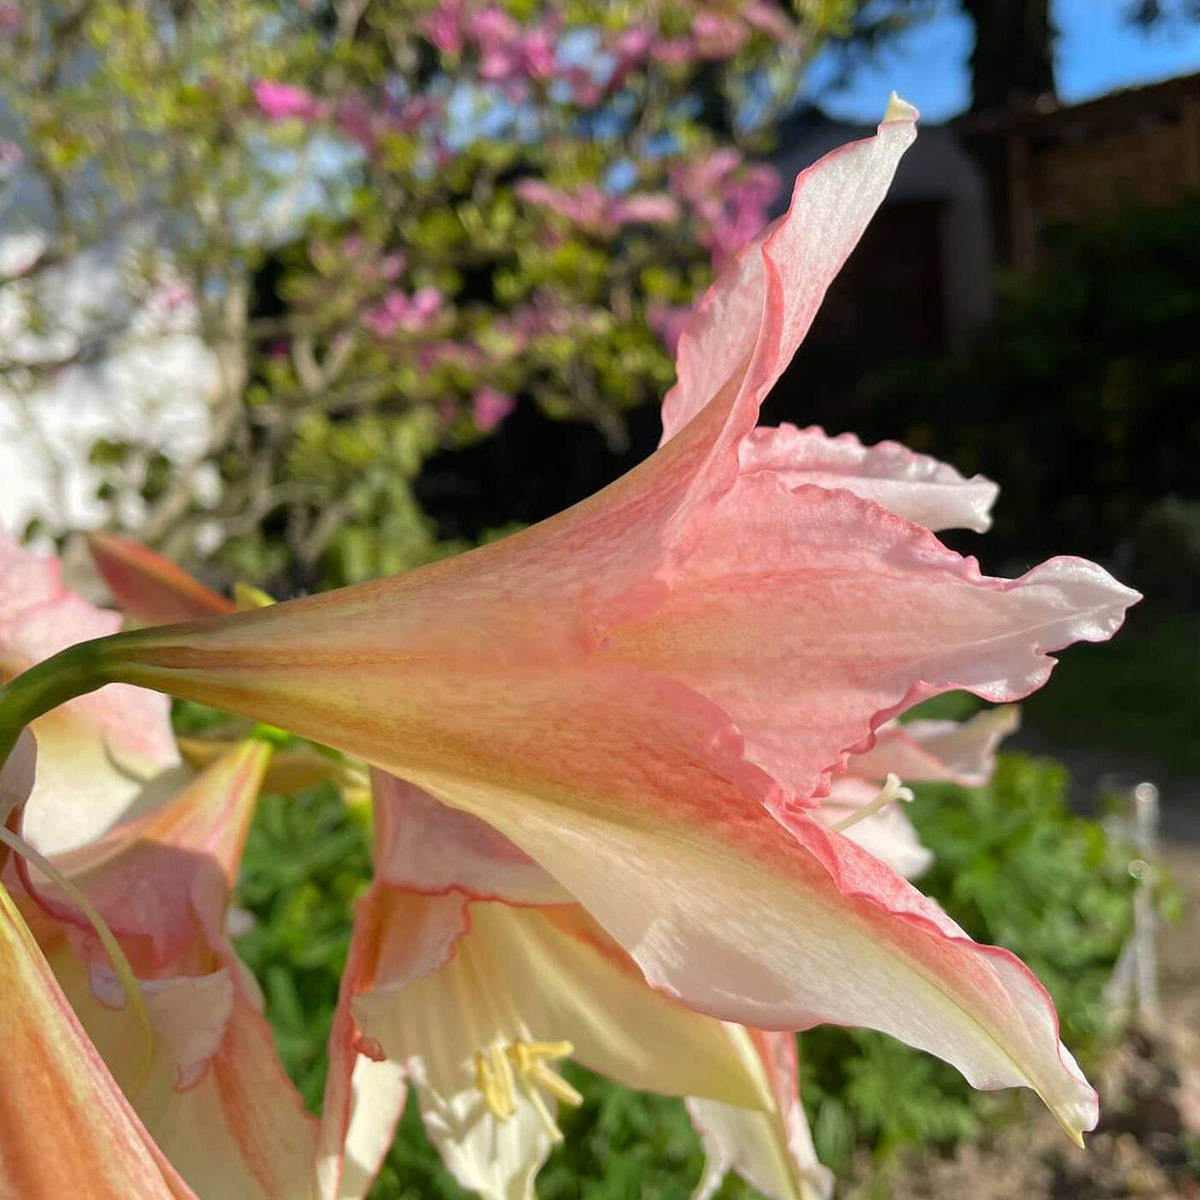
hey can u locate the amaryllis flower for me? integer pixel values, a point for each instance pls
(421, 848)
(213, 1094)
(98, 751)
(472, 975)
(650, 693)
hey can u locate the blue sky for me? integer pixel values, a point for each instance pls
(1097, 52)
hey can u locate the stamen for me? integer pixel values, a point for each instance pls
(500, 1069)
(556, 1085)
(504, 1077)
(543, 1113)
(888, 794)
(495, 1087)
(116, 956)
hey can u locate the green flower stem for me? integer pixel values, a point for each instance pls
(83, 668)
(72, 672)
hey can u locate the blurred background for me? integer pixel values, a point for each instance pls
(301, 293)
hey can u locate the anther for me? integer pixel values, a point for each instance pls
(500, 1069)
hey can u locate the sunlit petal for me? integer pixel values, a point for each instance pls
(914, 486)
(962, 752)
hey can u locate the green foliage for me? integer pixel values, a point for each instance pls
(389, 172)
(305, 865)
(1013, 866)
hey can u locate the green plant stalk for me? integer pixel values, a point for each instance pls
(79, 669)
(84, 668)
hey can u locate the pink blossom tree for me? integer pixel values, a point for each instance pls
(373, 214)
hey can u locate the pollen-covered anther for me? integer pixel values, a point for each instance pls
(524, 1064)
(891, 791)
(494, 1079)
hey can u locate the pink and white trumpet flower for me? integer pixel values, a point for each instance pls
(651, 693)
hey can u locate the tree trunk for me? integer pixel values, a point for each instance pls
(1013, 60)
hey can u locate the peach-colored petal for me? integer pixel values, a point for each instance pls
(68, 1130)
(772, 1150)
(914, 486)
(365, 1090)
(423, 846)
(632, 792)
(233, 1125)
(88, 779)
(962, 752)
(350, 1154)
(188, 1015)
(258, 1142)
(148, 587)
(812, 616)
(746, 329)
(162, 880)
(745, 920)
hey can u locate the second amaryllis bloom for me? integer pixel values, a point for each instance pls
(473, 975)
(649, 693)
